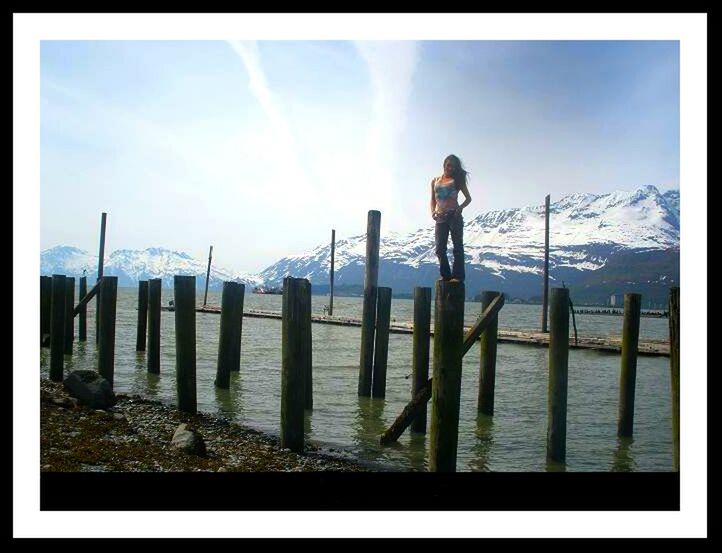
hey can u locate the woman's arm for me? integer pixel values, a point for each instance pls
(433, 201)
(467, 197)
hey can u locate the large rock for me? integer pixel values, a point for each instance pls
(90, 389)
(188, 440)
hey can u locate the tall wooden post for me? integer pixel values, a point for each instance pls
(141, 327)
(83, 314)
(545, 292)
(558, 375)
(46, 298)
(106, 316)
(57, 328)
(420, 346)
(628, 374)
(333, 251)
(184, 301)
(306, 343)
(674, 369)
(446, 387)
(208, 275)
(296, 313)
(381, 346)
(487, 372)
(229, 343)
(154, 294)
(368, 323)
(69, 318)
(101, 258)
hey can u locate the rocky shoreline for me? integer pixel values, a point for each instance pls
(135, 435)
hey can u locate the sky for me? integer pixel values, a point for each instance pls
(260, 148)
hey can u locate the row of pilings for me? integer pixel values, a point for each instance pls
(449, 346)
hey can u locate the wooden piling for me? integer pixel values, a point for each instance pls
(558, 375)
(69, 319)
(83, 312)
(368, 324)
(57, 327)
(154, 294)
(628, 373)
(420, 348)
(229, 342)
(333, 251)
(296, 314)
(446, 388)
(208, 275)
(46, 298)
(487, 368)
(184, 300)
(545, 291)
(142, 326)
(106, 315)
(306, 344)
(101, 257)
(674, 370)
(381, 345)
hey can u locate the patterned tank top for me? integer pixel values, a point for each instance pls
(446, 195)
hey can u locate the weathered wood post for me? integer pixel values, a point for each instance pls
(69, 319)
(83, 313)
(57, 328)
(154, 293)
(296, 313)
(420, 346)
(628, 373)
(142, 325)
(487, 369)
(106, 316)
(208, 275)
(333, 251)
(184, 300)
(46, 299)
(229, 342)
(381, 345)
(674, 369)
(558, 375)
(368, 323)
(307, 345)
(446, 387)
(101, 258)
(545, 292)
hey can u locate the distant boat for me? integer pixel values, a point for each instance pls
(267, 290)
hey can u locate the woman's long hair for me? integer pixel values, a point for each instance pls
(460, 174)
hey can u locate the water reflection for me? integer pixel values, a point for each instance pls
(623, 460)
(484, 434)
(554, 466)
(152, 383)
(412, 451)
(368, 425)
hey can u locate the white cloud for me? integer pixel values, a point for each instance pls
(391, 66)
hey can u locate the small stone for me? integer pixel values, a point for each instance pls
(222, 469)
(188, 440)
(118, 416)
(90, 389)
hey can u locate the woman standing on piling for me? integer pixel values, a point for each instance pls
(446, 211)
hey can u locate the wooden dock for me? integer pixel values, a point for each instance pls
(612, 344)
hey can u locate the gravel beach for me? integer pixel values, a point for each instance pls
(135, 436)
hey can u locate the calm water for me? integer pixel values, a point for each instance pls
(512, 440)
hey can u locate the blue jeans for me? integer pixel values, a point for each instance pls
(450, 224)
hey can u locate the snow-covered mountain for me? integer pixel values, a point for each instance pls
(130, 266)
(504, 250)
(600, 244)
